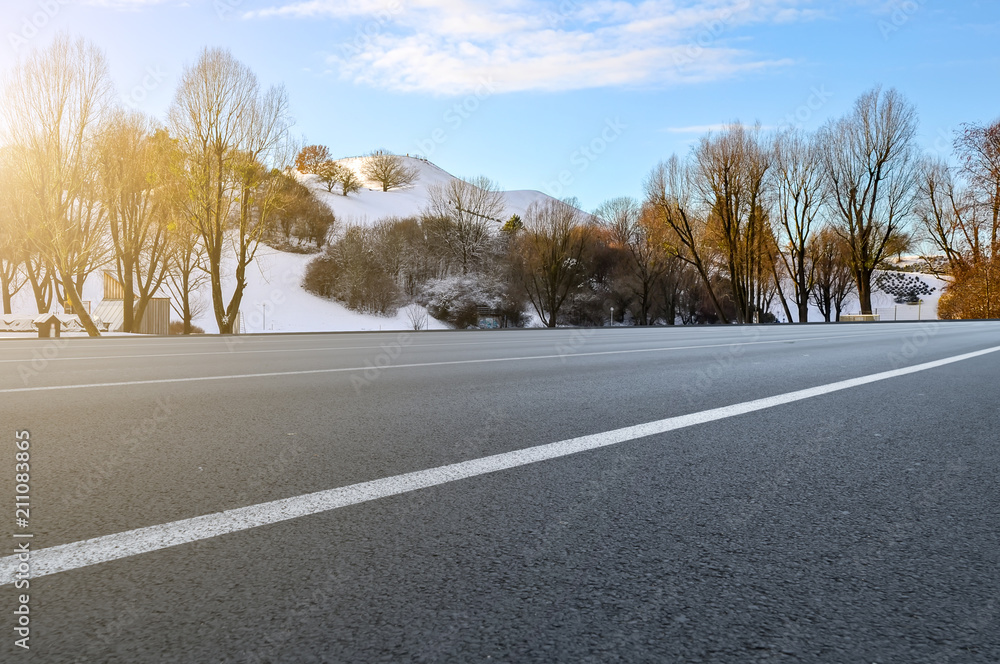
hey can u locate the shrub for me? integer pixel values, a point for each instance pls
(177, 327)
(350, 271)
(973, 293)
(456, 300)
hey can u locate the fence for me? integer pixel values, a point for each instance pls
(917, 311)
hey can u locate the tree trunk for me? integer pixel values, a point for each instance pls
(129, 297)
(41, 288)
(74, 298)
(5, 288)
(864, 295)
(186, 302)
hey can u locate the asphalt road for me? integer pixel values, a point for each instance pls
(861, 525)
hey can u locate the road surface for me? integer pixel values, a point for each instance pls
(725, 494)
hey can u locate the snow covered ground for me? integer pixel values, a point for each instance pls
(274, 300)
(371, 203)
(882, 303)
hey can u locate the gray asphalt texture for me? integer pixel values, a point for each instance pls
(861, 526)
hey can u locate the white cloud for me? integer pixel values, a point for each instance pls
(127, 4)
(709, 128)
(452, 46)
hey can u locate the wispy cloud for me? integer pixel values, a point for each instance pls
(704, 129)
(695, 129)
(130, 4)
(453, 46)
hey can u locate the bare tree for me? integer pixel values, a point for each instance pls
(731, 169)
(54, 103)
(134, 166)
(332, 173)
(648, 260)
(870, 168)
(960, 211)
(799, 196)
(388, 170)
(552, 244)
(235, 138)
(833, 280)
(668, 191)
(463, 217)
(978, 148)
(960, 207)
(12, 276)
(187, 273)
(13, 241)
(329, 173)
(947, 213)
(349, 181)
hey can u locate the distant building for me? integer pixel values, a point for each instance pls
(111, 310)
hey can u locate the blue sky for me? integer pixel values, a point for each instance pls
(571, 97)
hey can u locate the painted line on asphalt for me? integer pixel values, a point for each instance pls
(308, 372)
(76, 555)
(227, 353)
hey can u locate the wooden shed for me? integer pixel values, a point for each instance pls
(111, 310)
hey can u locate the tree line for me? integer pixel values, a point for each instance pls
(748, 222)
(89, 184)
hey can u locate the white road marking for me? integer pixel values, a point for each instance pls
(634, 336)
(307, 372)
(104, 549)
(273, 339)
(217, 353)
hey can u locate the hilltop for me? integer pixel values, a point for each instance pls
(371, 203)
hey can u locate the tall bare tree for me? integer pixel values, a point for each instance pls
(799, 195)
(388, 170)
(236, 140)
(464, 217)
(134, 168)
(731, 167)
(54, 104)
(187, 271)
(833, 280)
(960, 210)
(870, 167)
(669, 192)
(13, 240)
(947, 212)
(552, 246)
(648, 260)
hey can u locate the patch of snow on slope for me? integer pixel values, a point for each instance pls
(371, 204)
(274, 301)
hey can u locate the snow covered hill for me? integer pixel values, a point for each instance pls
(274, 300)
(371, 203)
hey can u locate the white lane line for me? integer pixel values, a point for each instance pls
(270, 340)
(218, 341)
(495, 342)
(104, 549)
(308, 372)
(220, 353)
(310, 350)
